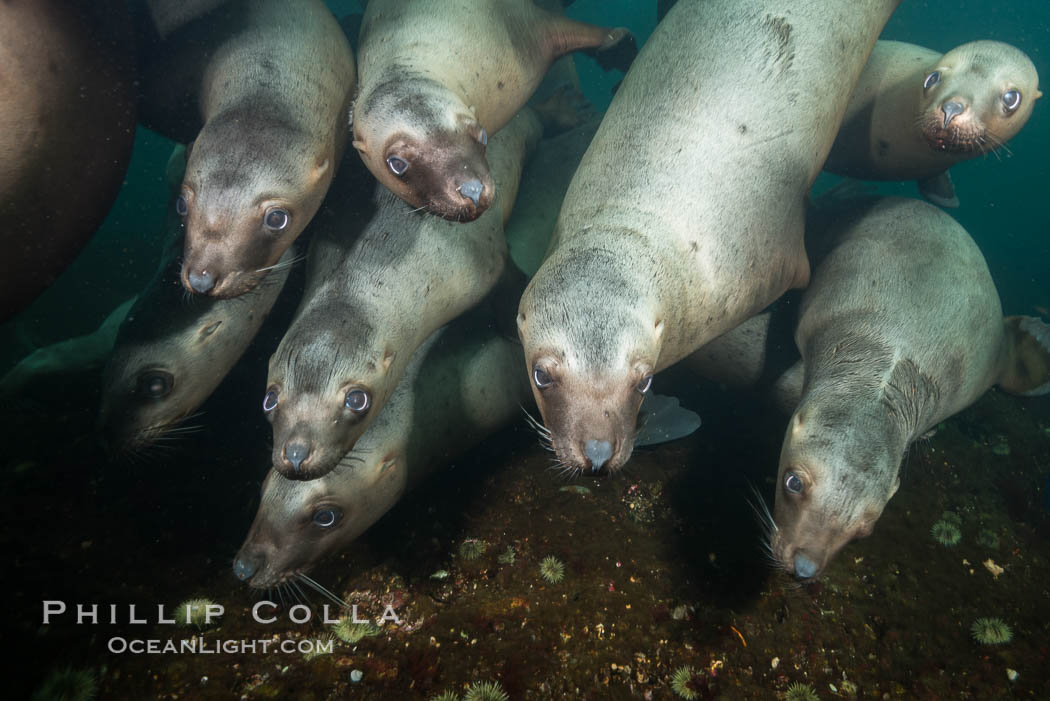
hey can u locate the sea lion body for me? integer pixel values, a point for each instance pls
(463, 384)
(261, 88)
(67, 125)
(685, 216)
(432, 94)
(900, 327)
(372, 297)
(171, 353)
(915, 113)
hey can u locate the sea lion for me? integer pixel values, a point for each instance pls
(463, 384)
(261, 88)
(916, 113)
(432, 92)
(172, 352)
(67, 125)
(685, 216)
(372, 297)
(900, 327)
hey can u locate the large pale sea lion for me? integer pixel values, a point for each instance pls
(172, 350)
(463, 383)
(378, 285)
(438, 78)
(915, 113)
(261, 88)
(900, 327)
(67, 125)
(686, 215)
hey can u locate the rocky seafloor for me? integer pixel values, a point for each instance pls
(663, 568)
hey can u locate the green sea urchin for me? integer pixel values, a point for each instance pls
(946, 533)
(351, 633)
(194, 612)
(680, 682)
(508, 556)
(988, 538)
(67, 684)
(485, 691)
(801, 692)
(991, 631)
(551, 569)
(322, 645)
(472, 548)
(446, 696)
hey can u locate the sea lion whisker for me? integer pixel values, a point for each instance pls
(322, 590)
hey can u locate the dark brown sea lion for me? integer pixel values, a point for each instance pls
(916, 113)
(67, 124)
(685, 216)
(438, 78)
(261, 88)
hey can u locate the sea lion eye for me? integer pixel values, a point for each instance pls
(155, 385)
(644, 384)
(326, 518)
(397, 165)
(270, 401)
(276, 219)
(541, 377)
(181, 208)
(931, 80)
(793, 483)
(357, 401)
(1011, 100)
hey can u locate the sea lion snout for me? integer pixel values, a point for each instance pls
(951, 109)
(245, 565)
(295, 452)
(200, 282)
(472, 189)
(598, 452)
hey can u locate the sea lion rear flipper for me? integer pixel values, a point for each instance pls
(939, 190)
(611, 48)
(663, 419)
(1027, 370)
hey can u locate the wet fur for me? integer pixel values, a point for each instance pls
(379, 284)
(693, 190)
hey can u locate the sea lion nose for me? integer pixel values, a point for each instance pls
(804, 567)
(951, 109)
(296, 452)
(245, 567)
(201, 282)
(472, 189)
(598, 452)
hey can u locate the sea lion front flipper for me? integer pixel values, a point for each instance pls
(611, 48)
(663, 419)
(1027, 368)
(939, 190)
(564, 109)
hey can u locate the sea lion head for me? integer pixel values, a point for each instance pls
(155, 378)
(838, 470)
(976, 97)
(300, 522)
(591, 347)
(324, 388)
(253, 181)
(426, 146)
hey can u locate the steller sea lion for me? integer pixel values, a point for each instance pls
(916, 113)
(67, 125)
(439, 77)
(172, 352)
(685, 216)
(463, 384)
(900, 327)
(378, 286)
(261, 89)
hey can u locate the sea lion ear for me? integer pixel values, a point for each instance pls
(321, 168)
(1038, 94)
(388, 358)
(521, 322)
(659, 329)
(359, 145)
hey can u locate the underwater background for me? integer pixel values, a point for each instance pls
(663, 566)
